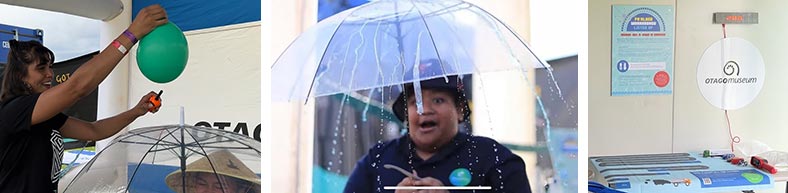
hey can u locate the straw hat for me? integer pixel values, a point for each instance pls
(225, 164)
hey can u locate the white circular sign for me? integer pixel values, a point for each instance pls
(730, 73)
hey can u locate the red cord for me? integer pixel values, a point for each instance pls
(734, 139)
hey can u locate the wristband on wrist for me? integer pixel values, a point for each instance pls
(131, 36)
(119, 46)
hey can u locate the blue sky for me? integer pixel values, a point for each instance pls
(68, 36)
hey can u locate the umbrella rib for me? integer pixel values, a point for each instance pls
(140, 143)
(153, 161)
(207, 157)
(170, 133)
(321, 59)
(222, 147)
(445, 9)
(544, 64)
(456, 37)
(143, 136)
(382, 17)
(87, 167)
(187, 145)
(133, 133)
(192, 145)
(198, 152)
(309, 92)
(218, 132)
(218, 141)
(177, 142)
(90, 163)
(170, 148)
(139, 163)
(475, 67)
(432, 39)
(437, 12)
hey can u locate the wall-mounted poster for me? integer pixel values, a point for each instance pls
(642, 50)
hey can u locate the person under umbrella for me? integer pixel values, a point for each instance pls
(434, 149)
(219, 172)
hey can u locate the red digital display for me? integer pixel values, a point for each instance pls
(734, 18)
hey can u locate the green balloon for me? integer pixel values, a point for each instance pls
(162, 54)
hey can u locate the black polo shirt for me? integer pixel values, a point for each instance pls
(30, 155)
(490, 164)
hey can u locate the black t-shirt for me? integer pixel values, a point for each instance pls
(30, 155)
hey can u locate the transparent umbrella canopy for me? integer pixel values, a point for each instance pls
(356, 62)
(173, 158)
(375, 44)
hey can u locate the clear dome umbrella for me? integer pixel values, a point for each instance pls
(363, 56)
(375, 44)
(155, 159)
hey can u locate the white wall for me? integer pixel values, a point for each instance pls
(288, 142)
(698, 122)
(637, 123)
(684, 121)
(219, 86)
(113, 91)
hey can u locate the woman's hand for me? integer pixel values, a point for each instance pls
(148, 19)
(142, 107)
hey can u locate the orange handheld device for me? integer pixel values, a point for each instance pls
(156, 101)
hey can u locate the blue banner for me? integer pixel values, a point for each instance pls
(8, 32)
(201, 14)
(727, 178)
